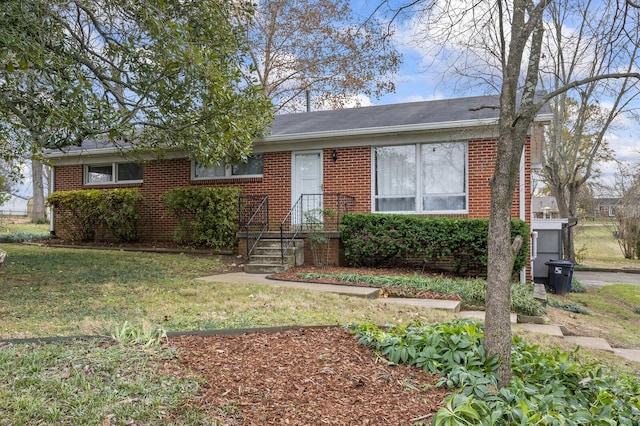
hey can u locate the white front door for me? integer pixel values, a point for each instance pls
(307, 180)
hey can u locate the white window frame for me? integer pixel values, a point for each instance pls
(114, 173)
(418, 193)
(228, 172)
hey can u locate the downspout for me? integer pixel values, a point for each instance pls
(52, 183)
(523, 271)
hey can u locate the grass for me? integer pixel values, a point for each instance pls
(19, 230)
(611, 310)
(51, 292)
(11, 226)
(55, 291)
(596, 247)
(92, 382)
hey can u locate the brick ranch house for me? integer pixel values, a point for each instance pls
(425, 158)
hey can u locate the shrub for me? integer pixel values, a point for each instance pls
(98, 214)
(206, 216)
(548, 386)
(375, 239)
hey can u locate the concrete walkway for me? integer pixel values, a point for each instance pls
(448, 305)
(606, 277)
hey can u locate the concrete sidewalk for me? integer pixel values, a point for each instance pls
(448, 305)
(606, 277)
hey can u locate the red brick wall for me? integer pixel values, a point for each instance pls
(349, 174)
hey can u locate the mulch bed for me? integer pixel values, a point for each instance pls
(308, 376)
(313, 376)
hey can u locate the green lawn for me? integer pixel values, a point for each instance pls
(596, 247)
(20, 224)
(65, 292)
(55, 291)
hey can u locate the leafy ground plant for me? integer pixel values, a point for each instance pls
(548, 386)
(567, 305)
(472, 292)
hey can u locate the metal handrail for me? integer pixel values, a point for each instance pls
(297, 220)
(297, 205)
(258, 222)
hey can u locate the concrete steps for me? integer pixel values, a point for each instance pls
(267, 257)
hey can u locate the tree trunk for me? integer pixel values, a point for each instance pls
(497, 339)
(37, 178)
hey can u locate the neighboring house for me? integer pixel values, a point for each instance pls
(427, 158)
(605, 207)
(15, 206)
(545, 208)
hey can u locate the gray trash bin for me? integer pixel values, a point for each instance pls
(560, 276)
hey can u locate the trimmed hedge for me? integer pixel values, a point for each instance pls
(98, 214)
(378, 239)
(206, 216)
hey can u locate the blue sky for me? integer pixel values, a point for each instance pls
(416, 82)
(422, 78)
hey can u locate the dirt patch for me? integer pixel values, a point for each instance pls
(308, 376)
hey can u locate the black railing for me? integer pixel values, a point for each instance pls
(314, 213)
(254, 219)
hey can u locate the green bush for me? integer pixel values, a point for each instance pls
(98, 214)
(547, 386)
(375, 239)
(206, 216)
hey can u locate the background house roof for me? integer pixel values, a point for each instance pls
(539, 204)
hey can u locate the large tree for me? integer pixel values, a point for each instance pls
(500, 43)
(319, 47)
(580, 48)
(152, 74)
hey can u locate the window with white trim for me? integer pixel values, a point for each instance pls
(422, 178)
(111, 173)
(253, 167)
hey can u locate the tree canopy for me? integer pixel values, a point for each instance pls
(319, 46)
(151, 74)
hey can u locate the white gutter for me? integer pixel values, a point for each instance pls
(382, 130)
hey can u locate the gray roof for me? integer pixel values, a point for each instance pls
(392, 115)
(538, 204)
(376, 118)
(445, 110)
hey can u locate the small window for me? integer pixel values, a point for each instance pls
(113, 173)
(253, 167)
(100, 174)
